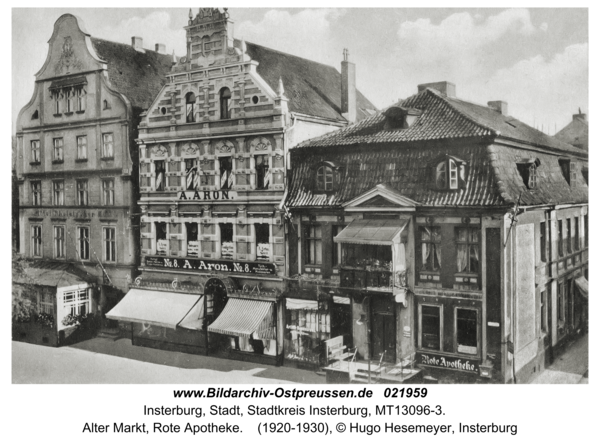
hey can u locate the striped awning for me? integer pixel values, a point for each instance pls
(371, 231)
(301, 304)
(243, 317)
(341, 300)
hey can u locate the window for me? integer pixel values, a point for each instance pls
(58, 150)
(561, 252)
(36, 240)
(162, 245)
(336, 248)
(58, 193)
(193, 246)
(430, 318)
(224, 100)
(105, 104)
(313, 253)
(69, 94)
(190, 99)
(110, 246)
(59, 242)
(543, 241)
(159, 174)
(467, 250)
(57, 96)
(107, 146)
(225, 166)
(82, 148)
(108, 191)
(466, 331)
(585, 229)
(431, 248)
(449, 173)
(560, 301)
(35, 151)
(82, 192)
(226, 241)
(46, 302)
(77, 302)
(83, 243)
(567, 239)
(576, 234)
(568, 169)
(192, 176)
(543, 319)
(80, 93)
(36, 193)
(528, 172)
(325, 178)
(263, 245)
(262, 171)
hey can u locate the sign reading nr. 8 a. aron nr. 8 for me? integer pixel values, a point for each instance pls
(211, 265)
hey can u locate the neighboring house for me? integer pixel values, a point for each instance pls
(457, 234)
(213, 156)
(576, 132)
(77, 160)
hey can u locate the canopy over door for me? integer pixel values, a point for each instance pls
(372, 231)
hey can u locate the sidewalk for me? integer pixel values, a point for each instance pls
(571, 367)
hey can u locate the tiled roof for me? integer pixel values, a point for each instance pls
(575, 133)
(139, 76)
(442, 118)
(312, 88)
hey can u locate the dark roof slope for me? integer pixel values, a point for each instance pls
(575, 133)
(312, 88)
(442, 118)
(139, 76)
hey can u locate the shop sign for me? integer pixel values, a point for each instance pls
(193, 247)
(208, 195)
(212, 265)
(162, 245)
(449, 362)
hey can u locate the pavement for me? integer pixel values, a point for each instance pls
(570, 367)
(108, 361)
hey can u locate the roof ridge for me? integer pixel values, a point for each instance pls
(126, 45)
(290, 55)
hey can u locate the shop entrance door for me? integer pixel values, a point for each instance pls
(384, 337)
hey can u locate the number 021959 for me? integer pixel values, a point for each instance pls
(410, 392)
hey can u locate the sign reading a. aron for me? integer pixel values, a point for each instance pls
(449, 362)
(211, 265)
(207, 195)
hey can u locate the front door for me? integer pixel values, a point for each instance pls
(384, 337)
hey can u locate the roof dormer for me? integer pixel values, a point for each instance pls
(398, 117)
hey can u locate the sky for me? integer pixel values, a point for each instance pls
(534, 59)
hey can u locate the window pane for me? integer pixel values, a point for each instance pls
(466, 331)
(430, 324)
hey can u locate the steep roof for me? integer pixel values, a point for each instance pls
(312, 88)
(576, 132)
(139, 76)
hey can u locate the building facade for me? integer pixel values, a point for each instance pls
(76, 160)
(213, 165)
(458, 234)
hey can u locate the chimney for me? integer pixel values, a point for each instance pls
(580, 116)
(348, 89)
(137, 43)
(446, 88)
(500, 106)
(160, 48)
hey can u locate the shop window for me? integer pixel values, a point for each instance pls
(35, 151)
(82, 192)
(543, 241)
(59, 242)
(108, 192)
(567, 239)
(110, 244)
(36, 193)
(224, 101)
(77, 302)
(576, 234)
(313, 254)
(225, 168)
(466, 331)
(561, 251)
(162, 245)
(449, 173)
(226, 241)
(192, 179)
(107, 146)
(467, 250)
(325, 177)
(190, 99)
(568, 170)
(159, 174)
(36, 240)
(263, 244)
(82, 148)
(193, 245)
(58, 193)
(83, 242)
(58, 154)
(263, 177)
(528, 172)
(308, 324)
(336, 247)
(431, 327)
(431, 248)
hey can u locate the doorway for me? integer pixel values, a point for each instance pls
(384, 337)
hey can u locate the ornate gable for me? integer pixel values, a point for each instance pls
(382, 197)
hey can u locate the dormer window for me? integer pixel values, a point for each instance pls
(450, 173)
(528, 171)
(190, 99)
(327, 176)
(398, 117)
(224, 99)
(567, 167)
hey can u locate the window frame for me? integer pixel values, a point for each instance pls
(477, 331)
(58, 154)
(575, 239)
(309, 237)
(224, 103)
(80, 94)
(323, 173)
(58, 193)
(440, 326)
(190, 100)
(433, 251)
(37, 234)
(36, 193)
(59, 232)
(192, 174)
(108, 146)
(221, 226)
(108, 254)
(449, 173)
(36, 152)
(543, 241)
(229, 181)
(108, 192)
(336, 247)
(561, 251)
(83, 241)
(82, 192)
(568, 236)
(80, 157)
(269, 241)
(262, 171)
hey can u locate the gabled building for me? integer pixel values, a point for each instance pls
(457, 234)
(576, 132)
(213, 166)
(77, 163)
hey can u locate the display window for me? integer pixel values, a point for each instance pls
(307, 326)
(430, 326)
(466, 331)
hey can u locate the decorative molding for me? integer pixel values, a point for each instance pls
(224, 146)
(159, 150)
(260, 144)
(68, 60)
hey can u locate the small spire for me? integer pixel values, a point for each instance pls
(280, 90)
(346, 54)
(243, 46)
(190, 15)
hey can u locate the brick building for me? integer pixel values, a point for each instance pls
(457, 234)
(77, 163)
(213, 160)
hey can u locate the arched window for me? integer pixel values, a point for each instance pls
(190, 99)
(450, 173)
(224, 98)
(441, 175)
(325, 178)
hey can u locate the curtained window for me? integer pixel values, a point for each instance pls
(467, 250)
(431, 248)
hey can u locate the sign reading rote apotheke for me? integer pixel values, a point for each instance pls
(449, 362)
(211, 265)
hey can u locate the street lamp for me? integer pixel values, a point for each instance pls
(366, 319)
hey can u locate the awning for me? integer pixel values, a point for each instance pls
(193, 320)
(341, 300)
(371, 231)
(154, 307)
(243, 317)
(301, 304)
(73, 81)
(582, 285)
